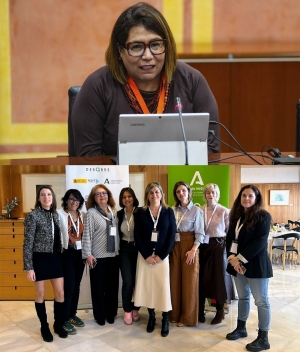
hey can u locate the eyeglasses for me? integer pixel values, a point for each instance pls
(156, 47)
(74, 200)
(99, 194)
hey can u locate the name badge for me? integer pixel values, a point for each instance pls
(177, 237)
(154, 236)
(113, 231)
(234, 247)
(78, 245)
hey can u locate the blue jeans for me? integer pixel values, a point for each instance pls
(259, 288)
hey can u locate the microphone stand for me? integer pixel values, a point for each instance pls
(179, 108)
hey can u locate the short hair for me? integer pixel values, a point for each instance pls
(38, 203)
(140, 14)
(76, 194)
(187, 186)
(90, 203)
(131, 191)
(211, 186)
(148, 189)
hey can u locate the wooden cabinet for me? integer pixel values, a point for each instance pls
(14, 284)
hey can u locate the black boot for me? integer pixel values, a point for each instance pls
(59, 320)
(151, 321)
(239, 332)
(41, 313)
(201, 314)
(165, 324)
(220, 315)
(260, 343)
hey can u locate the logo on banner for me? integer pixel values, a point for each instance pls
(98, 169)
(197, 179)
(80, 180)
(106, 181)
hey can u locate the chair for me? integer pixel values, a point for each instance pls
(294, 248)
(72, 92)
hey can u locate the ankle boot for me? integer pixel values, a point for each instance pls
(59, 320)
(41, 313)
(151, 320)
(165, 324)
(239, 332)
(220, 315)
(260, 343)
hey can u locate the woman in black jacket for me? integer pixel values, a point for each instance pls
(247, 249)
(128, 251)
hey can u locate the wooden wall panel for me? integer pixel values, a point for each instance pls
(257, 102)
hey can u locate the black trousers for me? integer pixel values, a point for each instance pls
(73, 267)
(128, 259)
(104, 279)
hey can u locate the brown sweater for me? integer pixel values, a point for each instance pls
(96, 110)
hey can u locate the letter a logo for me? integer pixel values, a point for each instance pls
(197, 179)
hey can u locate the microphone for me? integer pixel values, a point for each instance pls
(178, 107)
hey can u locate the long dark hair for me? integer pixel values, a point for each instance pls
(131, 191)
(38, 203)
(252, 214)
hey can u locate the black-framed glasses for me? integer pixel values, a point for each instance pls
(156, 46)
(74, 200)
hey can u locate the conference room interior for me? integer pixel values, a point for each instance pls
(253, 68)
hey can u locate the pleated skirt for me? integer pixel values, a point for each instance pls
(152, 287)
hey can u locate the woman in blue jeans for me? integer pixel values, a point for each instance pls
(249, 263)
(128, 252)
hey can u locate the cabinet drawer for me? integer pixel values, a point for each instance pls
(11, 230)
(20, 293)
(11, 223)
(14, 279)
(11, 253)
(11, 266)
(11, 240)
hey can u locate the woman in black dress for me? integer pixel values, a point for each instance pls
(42, 258)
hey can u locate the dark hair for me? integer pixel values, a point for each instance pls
(76, 194)
(38, 203)
(181, 183)
(131, 191)
(140, 14)
(148, 189)
(90, 203)
(252, 214)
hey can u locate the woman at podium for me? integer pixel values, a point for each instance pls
(142, 75)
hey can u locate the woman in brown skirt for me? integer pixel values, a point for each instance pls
(212, 282)
(184, 257)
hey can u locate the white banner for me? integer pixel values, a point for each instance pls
(84, 178)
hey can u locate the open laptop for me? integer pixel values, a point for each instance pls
(157, 139)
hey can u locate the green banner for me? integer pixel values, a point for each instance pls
(197, 177)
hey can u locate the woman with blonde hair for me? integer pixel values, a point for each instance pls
(154, 234)
(213, 254)
(100, 249)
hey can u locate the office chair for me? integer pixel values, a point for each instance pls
(72, 93)
(294, 248)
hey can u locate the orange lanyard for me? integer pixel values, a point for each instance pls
(140, 99)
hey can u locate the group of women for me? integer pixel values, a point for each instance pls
(156, 248)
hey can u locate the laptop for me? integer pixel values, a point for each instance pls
(157, 139)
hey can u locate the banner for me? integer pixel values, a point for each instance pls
(197, 176)
(85, 177)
